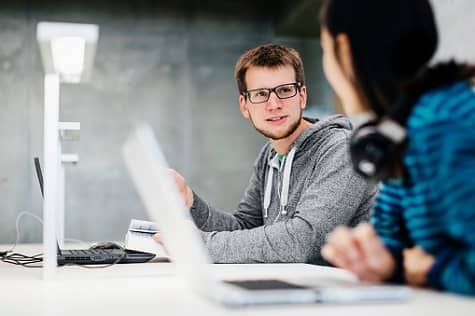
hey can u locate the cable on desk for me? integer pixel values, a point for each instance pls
(11, 257)
(27, 261)
(17, 226)
(21, 259)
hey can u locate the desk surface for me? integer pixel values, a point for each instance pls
(153, 288)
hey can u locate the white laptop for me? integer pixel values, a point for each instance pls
(149, 171)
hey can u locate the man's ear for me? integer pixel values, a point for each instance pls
(243, 106)
(303, 97)
(343, 53)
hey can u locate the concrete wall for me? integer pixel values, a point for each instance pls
(170, 68)
(456, 21)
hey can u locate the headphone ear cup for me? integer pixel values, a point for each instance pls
(372, 153)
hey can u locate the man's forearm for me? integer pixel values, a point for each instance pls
(207, 218)
(277, 243)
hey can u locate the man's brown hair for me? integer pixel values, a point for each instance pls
(268, 55)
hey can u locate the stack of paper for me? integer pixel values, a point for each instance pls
(139, 237)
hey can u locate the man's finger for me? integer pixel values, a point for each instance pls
(157, 238)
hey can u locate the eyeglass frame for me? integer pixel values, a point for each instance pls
(297, 85)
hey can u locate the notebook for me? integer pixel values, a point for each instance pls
(148, 169)
(94, 256)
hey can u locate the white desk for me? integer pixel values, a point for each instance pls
(153, 289)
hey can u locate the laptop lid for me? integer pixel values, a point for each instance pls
(149, 171)
(39, 176)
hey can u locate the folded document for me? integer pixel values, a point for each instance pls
(139, 237)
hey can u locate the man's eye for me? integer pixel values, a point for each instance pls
(285, 89)
(260, 93)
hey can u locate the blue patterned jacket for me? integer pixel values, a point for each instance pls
(435, 209)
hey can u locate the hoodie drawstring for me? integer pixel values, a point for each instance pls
(284, 197)
(274, 163)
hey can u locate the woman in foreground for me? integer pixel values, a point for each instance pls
(420, 142)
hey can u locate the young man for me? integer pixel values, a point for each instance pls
(302, 185)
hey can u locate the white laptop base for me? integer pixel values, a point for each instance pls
(149, 171)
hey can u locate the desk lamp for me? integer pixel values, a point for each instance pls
(67, 51)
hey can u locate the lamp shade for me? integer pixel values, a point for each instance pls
(68, 49)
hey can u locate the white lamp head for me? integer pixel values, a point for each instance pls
(68, 49)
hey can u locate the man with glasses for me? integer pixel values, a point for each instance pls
(302, 185)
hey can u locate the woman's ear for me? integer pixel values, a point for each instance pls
(344, 56)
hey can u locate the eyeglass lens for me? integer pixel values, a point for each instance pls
(283, 92)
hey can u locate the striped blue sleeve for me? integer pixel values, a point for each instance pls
(389, 224)
(454, 185)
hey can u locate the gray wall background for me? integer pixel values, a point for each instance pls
(456, 22)
(169, 66)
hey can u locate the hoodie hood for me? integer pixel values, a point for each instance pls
(320, 126)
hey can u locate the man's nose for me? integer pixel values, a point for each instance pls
(274, 102)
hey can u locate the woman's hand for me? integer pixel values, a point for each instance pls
(417, 265)
(360, 251)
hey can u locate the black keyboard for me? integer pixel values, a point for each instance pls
(102, 256)
(89, 252)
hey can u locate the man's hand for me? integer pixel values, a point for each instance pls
(184, 189)
(417, 264)
(159, 240)
(360, 251)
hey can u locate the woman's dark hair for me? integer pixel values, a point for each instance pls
(392, 42)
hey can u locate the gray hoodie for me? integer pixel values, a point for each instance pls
(289, 207)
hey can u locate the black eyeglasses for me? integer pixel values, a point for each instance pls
(283, 91)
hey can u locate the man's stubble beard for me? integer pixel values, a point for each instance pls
(292, 128)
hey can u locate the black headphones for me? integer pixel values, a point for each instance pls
(375, 148)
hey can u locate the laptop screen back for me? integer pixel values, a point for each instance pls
(149, 172)
(39, 175)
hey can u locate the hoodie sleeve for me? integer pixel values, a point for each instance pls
(334, 196)
(248, 214)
